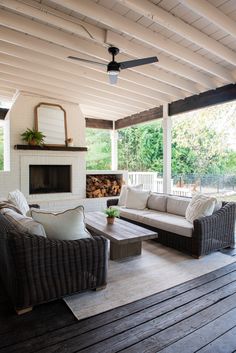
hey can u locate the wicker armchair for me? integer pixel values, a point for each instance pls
(35, 269)
(210, 233)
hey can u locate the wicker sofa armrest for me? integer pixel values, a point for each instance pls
(49, 269)
(216, 231)
(112, 202)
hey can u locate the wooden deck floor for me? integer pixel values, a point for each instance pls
(197, 316)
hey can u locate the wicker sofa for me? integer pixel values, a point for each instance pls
(205, 235)
(35, 269)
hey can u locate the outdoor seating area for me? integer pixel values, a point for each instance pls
(117, 176)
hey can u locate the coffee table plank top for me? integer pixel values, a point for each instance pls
(120, 232)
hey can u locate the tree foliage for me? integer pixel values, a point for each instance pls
(99, 149)
(203, 142)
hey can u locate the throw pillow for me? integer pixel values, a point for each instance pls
(123, 193)
(136, 199)
(22, 223)
(18, 199)
(157, 202)
(67, 225)
(200, 206)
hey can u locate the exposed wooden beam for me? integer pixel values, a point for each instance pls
(143, 117)
(212, 97)
(109, 18)
(55, 62)
(88, 31)
(141, 96)
(176, 25)
(99, 123)
(220, 95)
(211, 13)
(3, 113)
(75, 46)
(49, 15)
(75, 90)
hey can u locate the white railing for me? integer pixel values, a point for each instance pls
(151, 181)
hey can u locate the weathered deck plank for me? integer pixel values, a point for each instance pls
(181, 319)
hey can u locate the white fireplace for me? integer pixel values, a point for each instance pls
(74, 159)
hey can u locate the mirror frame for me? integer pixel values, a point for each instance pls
(36, 122)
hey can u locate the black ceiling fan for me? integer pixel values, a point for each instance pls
(113, 67)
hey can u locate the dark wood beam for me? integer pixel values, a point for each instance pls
(99, 123)
(143, 117)
(3, 113)
(212, 97)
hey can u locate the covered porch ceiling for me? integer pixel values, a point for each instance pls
(195, 42)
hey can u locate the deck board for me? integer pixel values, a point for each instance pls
(196, 316)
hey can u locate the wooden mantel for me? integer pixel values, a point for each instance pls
(51, 148)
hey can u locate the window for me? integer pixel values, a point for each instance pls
(204, 152)
(99, 149)
(141, 148)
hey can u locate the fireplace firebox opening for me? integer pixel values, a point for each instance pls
(47, 179)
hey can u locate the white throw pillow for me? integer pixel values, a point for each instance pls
(200, 206)
(136, 199)
(67, 225)
(22, 223)
(123, 193)
(18, 199)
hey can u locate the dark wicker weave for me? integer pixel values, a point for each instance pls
(210, 233)
(36, 269)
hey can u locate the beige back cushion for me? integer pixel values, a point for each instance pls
(123, 193)
(24, 224)
(177, 205)
(200, 206)
(136, 199)
(157, 202)
(67, 225)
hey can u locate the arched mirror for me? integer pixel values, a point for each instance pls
(50, 119)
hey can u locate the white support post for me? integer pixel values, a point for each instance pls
(114, 149)
(166, 150)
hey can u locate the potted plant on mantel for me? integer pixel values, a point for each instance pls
(111, 214)
(33, 137)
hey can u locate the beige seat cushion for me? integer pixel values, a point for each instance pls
(67, 225)
(22, 223)
(157, 202)
(177, 205)
(133, 214)
(169, 222)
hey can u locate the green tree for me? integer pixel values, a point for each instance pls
(99, 149)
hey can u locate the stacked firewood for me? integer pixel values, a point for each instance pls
(103, 185)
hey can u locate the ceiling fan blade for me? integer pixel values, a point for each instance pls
(138, 62)
(87, 61)
(113, 79)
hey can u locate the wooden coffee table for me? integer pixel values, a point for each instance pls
(125, 238)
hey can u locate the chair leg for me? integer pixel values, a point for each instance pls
(24, 311)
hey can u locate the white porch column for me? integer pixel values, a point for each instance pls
(166, 150)
(114, 149)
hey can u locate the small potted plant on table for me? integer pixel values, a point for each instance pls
(33, 137)
(111, 214)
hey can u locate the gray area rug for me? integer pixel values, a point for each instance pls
(157, 269)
